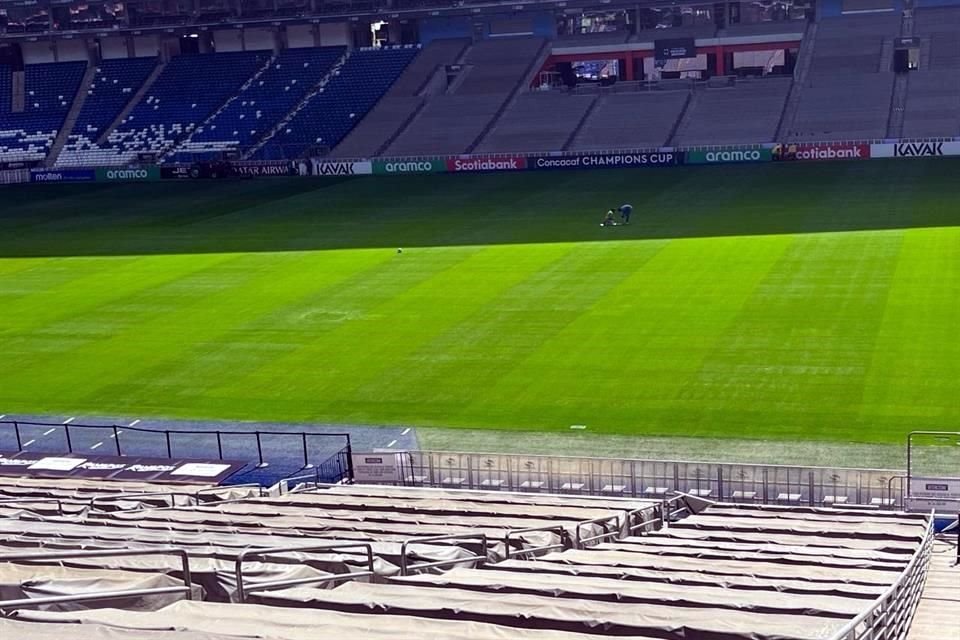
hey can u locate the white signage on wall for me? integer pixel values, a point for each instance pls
(939, 494)
(376, 467)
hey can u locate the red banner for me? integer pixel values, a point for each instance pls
(813, 152)
(508, 163)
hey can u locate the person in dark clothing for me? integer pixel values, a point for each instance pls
(625, 211)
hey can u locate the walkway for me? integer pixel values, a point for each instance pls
(938, 616)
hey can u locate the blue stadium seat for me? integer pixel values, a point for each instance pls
(113, 86)
(187, 92)
(262, 104)
(330, 115)
(49, 90)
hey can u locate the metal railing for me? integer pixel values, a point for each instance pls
(29, 500)
(480, 558)
(580, 541)
(197, 443)
(186, 590)
(514, 535)
(243, 590)
(890, 614)
(764, 484)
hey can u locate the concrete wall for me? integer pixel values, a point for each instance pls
(146, 46)
(299, 36)
(228, 40)
(36, 52)
(334, 34)
(70, 50)
(113, 48)
(258, 39)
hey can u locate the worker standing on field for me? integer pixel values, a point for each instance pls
(625, 211)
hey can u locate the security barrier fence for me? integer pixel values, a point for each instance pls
(747, 483)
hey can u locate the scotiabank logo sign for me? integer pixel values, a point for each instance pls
(793, 152)
(512, 163)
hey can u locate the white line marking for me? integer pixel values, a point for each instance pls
(134, 423)
(69, 420)
(48, 432)
(96, 446)
(578, 426)
(28, 443)
(3, 416)
(405, 431)
(114, 435)
(392, 442)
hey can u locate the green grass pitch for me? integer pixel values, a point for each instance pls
(793, 302)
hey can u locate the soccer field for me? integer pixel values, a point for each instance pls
(793, 302)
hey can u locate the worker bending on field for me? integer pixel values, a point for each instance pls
(625, 211)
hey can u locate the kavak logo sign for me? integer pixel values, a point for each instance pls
(915, 149)
(508, 163)
(795, 152)
(321, 168)
(918, 149)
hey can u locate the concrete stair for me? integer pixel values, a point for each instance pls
(134, 101)
(78, 101)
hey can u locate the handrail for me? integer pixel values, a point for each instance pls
(631, 528)
(868, 623)
(580, 541)
(19, 500)
(242, 591)
(668, 512)
(405, 569)
(515, 533)
(186, 589)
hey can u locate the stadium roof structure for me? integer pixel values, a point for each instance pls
(289, 12)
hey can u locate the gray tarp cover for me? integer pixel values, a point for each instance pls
(301, 624)
(18, 581)
(723, 567)
(15, 630)
(820, 526)
(539, 612)
(606, 589)
(654, 543)
(502, 497)
(735, 581)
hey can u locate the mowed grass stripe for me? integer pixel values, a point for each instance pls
(476, 352)
(622, 352)
(67, 289)
(358, 351)
(346, 286)
(92, 374)
(914, 376)
(801, 345)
